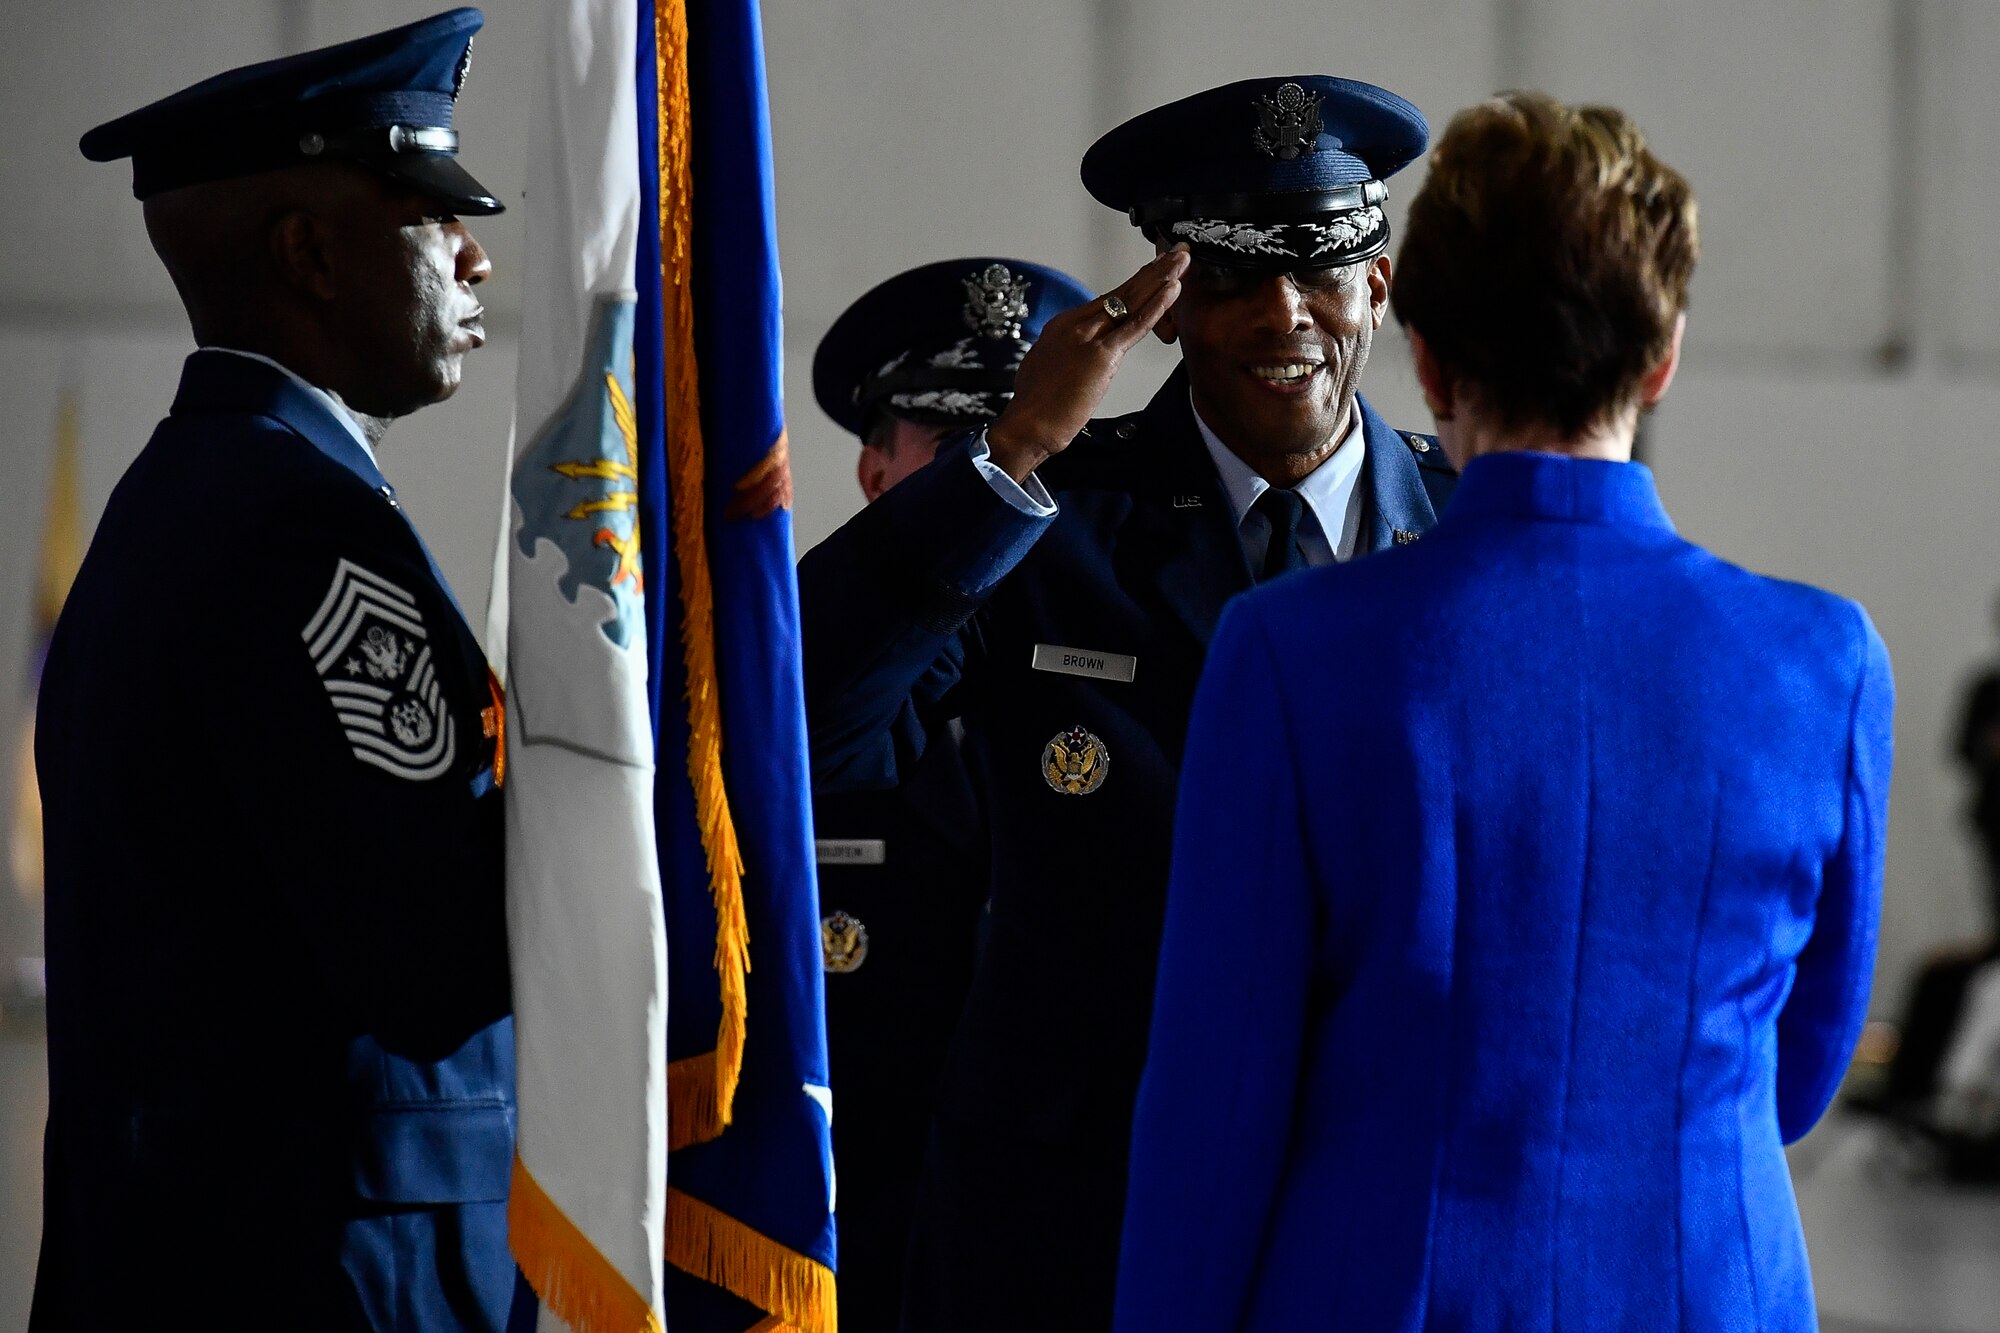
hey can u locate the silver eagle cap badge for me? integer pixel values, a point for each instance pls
(995, 302)
(1287, 122)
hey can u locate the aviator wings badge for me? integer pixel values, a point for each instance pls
(1287, 122)
(373, 655)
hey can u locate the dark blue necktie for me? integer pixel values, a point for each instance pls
(1282, 509)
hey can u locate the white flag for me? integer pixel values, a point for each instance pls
(584, 914)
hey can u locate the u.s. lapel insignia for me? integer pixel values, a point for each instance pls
(843, 942)
(369, 645)
(1404, 537)
(1075, 762)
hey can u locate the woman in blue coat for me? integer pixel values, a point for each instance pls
(1526, 878)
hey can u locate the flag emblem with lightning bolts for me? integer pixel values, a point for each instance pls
(578, 483)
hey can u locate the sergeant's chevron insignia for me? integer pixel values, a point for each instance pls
(368, 643)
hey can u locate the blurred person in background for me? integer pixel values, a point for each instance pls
(1508, 943)
(1053, 582)
(902, 873)
(281, 1062)
(1947, 1053)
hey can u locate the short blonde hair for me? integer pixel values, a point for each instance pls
(1546, 259)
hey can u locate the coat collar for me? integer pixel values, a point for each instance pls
(1397, 500)
(213, 381)
(220, 382)
(1187, 527)
(1553, 488)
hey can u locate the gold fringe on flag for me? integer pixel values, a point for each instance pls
(716, 1247)
(691, 1106)
(685, 477)
(583, 1287)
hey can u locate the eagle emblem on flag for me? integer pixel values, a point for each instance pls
(373, 655)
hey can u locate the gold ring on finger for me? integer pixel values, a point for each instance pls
(1114, 306)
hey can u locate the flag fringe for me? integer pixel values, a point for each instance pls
(687, 515)
(691, 1105)
(571, 1277)
(718, 1249)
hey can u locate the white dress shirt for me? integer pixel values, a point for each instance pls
(1331, 492)
(332, 404)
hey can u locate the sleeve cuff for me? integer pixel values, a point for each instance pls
(1033, 499)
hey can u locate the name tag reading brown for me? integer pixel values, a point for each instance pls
(1085, 662)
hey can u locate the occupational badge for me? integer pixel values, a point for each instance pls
(995, 302)
(1075, 762)
(1287, 122)
(373, 655)
(843, 942)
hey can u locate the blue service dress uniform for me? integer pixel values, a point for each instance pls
(1508, 943)
(902, 873)
(280, 1058)
(929, 605)
(902, 884)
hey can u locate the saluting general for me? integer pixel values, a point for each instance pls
(902, 873)
(1509, 943)
(1053, 581)
(281, 1065)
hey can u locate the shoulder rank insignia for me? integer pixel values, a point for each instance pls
(369, 645)
(1075, 762)
(995, 302)
(1287, 122)
(843, 942)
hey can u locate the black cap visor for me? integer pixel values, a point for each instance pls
(441, 177)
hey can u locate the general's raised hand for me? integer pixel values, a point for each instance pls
(1070, 368)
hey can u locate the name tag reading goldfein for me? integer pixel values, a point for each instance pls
(851, 851)
(1084, 662)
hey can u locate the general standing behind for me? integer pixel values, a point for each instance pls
(902, 874)
(1054, 584)
(1509, 942)
(281, 1066)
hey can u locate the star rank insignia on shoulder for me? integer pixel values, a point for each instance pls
(373, 655)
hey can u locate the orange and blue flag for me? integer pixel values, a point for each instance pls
(673, 1164)
(750, 1197)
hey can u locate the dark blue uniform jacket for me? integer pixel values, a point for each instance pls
(929, 605)
(910, 866)
(280, 1057)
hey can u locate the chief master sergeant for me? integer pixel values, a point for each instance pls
(280, 1058)
(1054, 582)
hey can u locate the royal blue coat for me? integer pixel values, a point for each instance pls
(1524, 905)
(281, 1066)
